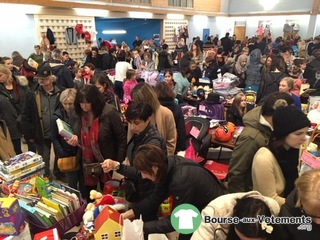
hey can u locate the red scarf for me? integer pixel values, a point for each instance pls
(89, 139)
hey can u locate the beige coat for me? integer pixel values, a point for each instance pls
(223, 207)
(6, 147)
(163, 120)
(267, 176)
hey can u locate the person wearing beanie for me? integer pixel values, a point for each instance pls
(256, 133)
(275, 167)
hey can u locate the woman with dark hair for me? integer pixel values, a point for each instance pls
(271, 80)
(234, 207)
(94, 57)
(104, 85)
(183, 179)
(279, 161)
(99, 130)
(167, 98)
(162, 118)
(139, 116)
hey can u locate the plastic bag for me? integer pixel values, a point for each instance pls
(190, 151)
(132, 230)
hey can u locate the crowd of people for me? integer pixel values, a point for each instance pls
(141, 142)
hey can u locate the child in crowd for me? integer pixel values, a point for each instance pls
(129, 84)
(78, 79)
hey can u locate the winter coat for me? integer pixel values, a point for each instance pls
(190, 184)
(180, 124)
(310, 74)
(6, 147)
(112, 136)
(50, 36)
(269, 84)
(11, 106)
(61, 147)
(63, 74)
(255, 134)
(31, 121)
(165, 61)
(234, 116)
(71, 36)
(254, 69)
(223, 207)
(291, 231)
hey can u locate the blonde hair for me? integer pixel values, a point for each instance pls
(6, 71)
(143, 92)
(308, 186)
(68, 93)
(236, 102)
(289, 81)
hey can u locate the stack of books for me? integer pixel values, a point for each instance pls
(23, 167)
(54, 208)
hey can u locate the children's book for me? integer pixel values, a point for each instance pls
(52, 204)
(21, 173)
(31, 213)
(43, 187)
(20, 161)
(64, 129)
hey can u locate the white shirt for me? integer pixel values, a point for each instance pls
(121, 70)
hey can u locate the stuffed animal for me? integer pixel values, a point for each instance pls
(100, 199)
(88, 215)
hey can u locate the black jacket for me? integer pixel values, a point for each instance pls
(61, 147)
(233, 116)
(291, 231)
(310, 74)
(30, 119)
(165, 61)
(187, 184)
(180, 124)
(63, 74)
(112, 136)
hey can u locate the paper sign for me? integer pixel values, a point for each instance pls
(194, 132)
(310, 159)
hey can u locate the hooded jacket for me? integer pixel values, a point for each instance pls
(255, 135)
(223, 207)
(63, 74)
(254, 69)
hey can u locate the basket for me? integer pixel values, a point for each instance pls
(64, 225)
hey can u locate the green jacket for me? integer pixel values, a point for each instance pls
(253, 136)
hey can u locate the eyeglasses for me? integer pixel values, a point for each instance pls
(307, 214)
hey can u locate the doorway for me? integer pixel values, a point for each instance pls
(240, 32)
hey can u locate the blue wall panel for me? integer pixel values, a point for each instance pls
(141, 27)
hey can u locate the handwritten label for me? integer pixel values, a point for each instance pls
(194, 132)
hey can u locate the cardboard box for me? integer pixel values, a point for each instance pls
(11, 217)
(24, 235)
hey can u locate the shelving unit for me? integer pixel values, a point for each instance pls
(58, 25)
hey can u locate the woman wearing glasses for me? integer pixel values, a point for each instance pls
(303, 203)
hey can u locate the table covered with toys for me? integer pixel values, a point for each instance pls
(32, 207)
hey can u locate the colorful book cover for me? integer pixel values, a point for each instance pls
(19, 161)
(10, 177)
(43, 187)
(65, 130)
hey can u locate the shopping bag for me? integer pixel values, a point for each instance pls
(132, 230)
(190, 151)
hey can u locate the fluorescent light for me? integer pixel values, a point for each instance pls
(91, 12)
(268, 4)
(140, 14)
(175, 16)
(114, 32)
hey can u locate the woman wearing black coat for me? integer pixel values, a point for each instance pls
(183, 179)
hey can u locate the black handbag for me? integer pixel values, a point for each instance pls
(93, 169)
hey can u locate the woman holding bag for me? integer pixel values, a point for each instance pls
(98, 128)
(61, 148)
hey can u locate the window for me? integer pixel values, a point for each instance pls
(181, 3)
(104, 236)
(117, 234)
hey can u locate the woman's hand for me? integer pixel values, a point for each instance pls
(73, 141)
(128, 214)
(109, 165)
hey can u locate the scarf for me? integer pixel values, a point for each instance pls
(238, 64)
(89, 140)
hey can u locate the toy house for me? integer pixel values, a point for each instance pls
(108, 225)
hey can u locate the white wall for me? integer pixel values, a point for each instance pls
(18, 31)
(221, 25)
